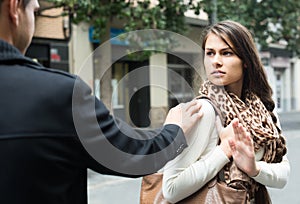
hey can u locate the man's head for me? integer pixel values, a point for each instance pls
(17, 16)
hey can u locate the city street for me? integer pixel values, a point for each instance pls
(117, 190)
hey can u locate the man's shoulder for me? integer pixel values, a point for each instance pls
(45, 76)
(51, 72)
(33, 76)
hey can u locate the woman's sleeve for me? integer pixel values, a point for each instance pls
(274, 175)
(198, 163)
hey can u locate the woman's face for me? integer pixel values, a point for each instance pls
(223, 67)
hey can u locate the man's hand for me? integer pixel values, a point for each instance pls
(243, 150)
(185, 115)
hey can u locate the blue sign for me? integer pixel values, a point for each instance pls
(114, 33)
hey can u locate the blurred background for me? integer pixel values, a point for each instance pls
(90, 39)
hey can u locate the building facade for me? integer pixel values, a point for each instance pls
(144, 90)
(50, 45)
(283, 70)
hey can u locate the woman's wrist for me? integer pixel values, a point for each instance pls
(225, 148)
(255, 172)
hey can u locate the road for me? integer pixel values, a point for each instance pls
(290, 193)
(116, 190)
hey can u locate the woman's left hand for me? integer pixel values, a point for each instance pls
(243, 150)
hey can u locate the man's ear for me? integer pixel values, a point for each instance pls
(14, 6)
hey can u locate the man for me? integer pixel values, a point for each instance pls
(52, 129)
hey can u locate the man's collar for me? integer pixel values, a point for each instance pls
(10, 53)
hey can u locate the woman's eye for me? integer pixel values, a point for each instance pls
(227, 53)
(209, 53)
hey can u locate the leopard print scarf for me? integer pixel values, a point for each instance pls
(255, 118)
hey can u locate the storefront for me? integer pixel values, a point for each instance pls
(50, 53)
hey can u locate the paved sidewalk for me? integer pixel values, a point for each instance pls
(104, 189)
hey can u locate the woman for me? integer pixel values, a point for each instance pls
(251, 151)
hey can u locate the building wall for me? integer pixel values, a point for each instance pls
(51, 37)
(51, 28)
(283, 73)
(295, 83)
(80, 48)
(159, 88)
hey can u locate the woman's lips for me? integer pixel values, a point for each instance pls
(218, 73)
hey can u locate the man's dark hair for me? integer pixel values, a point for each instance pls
(25, 2)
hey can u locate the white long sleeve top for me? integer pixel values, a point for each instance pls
(203, 159)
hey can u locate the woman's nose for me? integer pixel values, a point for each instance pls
(217, 61)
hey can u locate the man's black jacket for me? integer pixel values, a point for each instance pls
(52, 130)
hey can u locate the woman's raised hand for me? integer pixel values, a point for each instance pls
(242, 149)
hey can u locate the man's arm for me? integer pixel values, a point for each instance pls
(121, 148)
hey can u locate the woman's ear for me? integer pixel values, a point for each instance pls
(14, 6)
